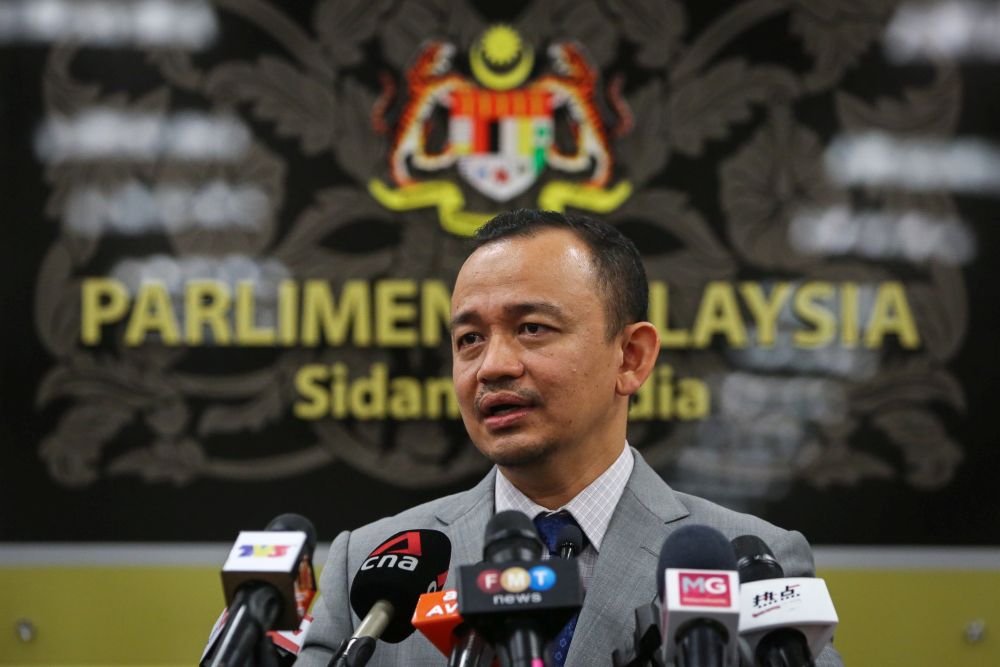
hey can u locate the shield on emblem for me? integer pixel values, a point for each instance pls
(500, 138)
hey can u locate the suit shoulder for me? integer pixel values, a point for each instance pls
(729, 522)
(424, 515)
(789, 546)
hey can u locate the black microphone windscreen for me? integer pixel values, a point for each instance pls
(400, 570)
(697, 548)
(570, 536)
(755, 560)
(511, 536)
(295, 522)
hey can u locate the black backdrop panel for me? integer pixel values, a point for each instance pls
(330, 158)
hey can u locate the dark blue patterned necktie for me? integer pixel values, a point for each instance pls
(548, 528)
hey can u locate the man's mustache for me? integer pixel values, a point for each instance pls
(529, 396)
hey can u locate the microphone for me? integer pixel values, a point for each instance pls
(784, 621)
(569, 541)
(646, 640)
(699, 590)
(517, 601)
(289, 644)
(437, 616)
(437, 619)
(386, 589)
(286, 644)
(755, 560)
(269, 584)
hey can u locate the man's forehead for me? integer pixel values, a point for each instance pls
(550, 271)
(545, 250)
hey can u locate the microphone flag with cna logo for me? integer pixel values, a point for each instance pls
(399, 570)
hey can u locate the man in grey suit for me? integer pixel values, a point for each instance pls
(550, 342)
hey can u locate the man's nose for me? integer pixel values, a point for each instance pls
(501, 360)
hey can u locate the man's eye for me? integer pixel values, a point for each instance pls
(533, 328)
(467, 339)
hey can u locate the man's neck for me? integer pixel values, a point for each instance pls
(554, 483)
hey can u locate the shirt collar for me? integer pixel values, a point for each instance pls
(592, 508)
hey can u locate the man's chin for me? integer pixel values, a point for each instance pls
(518, 455)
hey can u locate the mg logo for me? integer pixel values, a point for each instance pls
(700, 589)
(705, 585)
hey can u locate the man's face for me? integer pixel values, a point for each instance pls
(533, 369)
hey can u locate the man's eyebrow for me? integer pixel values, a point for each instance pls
(512, 310)
(532, 307)
(463, 317)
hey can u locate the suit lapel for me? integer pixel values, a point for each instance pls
(466, 520)
(625, 573)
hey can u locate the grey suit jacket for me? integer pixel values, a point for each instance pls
(624, 577)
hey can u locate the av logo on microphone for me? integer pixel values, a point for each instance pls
(699, 588)
(446, 604)
(263, 550)
(402, 551)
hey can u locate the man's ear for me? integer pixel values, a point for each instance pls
(640, 343)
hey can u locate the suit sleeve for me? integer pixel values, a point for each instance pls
(332, 622)
(795, 556)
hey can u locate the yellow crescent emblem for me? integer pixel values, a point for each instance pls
(501, 45)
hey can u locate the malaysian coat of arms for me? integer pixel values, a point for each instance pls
(499, 132)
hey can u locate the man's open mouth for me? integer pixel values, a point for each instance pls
(505, 403)
(503, 408)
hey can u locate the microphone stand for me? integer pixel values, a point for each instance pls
(354, 652)
(266, 655)
(357, 650)
(647, 640)
(783, 648)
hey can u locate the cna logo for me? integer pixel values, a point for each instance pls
(516, 580)
(263, 550)
(402, 551)
(700, 589)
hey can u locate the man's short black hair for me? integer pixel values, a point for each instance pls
(619, 268)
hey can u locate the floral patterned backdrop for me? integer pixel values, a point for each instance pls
(358, 143)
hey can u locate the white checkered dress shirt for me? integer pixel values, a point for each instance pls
(592, 508)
